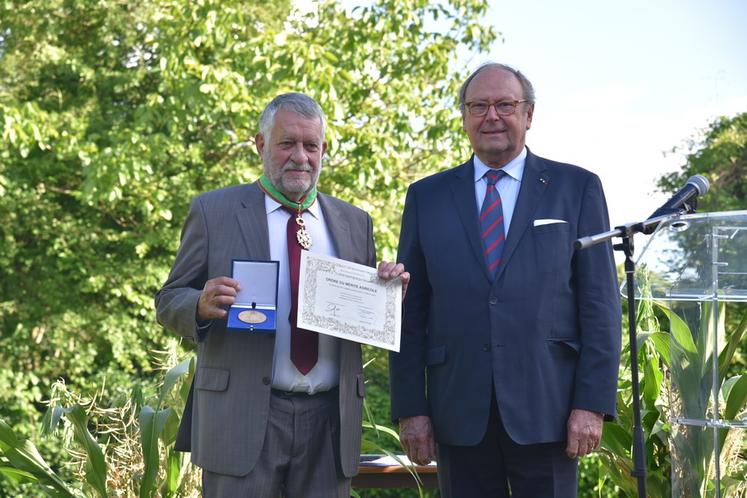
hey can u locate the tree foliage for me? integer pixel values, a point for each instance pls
(720, 154)
(113, 114)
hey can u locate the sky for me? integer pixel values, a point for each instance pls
(619, 84)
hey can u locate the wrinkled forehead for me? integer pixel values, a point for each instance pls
(292, 124)
(494, 84)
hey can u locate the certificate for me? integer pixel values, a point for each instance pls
(349, 301)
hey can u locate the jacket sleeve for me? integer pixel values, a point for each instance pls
(599, 312)
(407, 368)
(176, 301)
(371, 244)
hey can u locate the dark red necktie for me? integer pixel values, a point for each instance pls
(491, 223)
(304, 344)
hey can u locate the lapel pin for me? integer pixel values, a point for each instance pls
(543, 180)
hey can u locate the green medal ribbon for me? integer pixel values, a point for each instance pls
(269, 189)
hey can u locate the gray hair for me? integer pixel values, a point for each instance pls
(526, 85)
(296, 102)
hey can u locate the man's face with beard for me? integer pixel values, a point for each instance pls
(292, 155)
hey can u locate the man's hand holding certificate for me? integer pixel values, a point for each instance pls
(351, 301)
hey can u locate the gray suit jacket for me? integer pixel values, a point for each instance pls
(232, 382)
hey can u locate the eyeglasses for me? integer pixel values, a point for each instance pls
(502, 108)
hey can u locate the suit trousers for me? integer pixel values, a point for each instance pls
(498, 467)
(300, 455)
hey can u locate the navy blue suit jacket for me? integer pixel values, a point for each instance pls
(545, 333)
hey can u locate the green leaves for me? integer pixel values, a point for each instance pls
(163, 469)
(95, 468)
(173, 376)
(719, 152)
(681, 334)
(113, 115)
(152, 423)
(616, 439)
(676, 352)
(734, 392)
(27, 464)
(162, 424)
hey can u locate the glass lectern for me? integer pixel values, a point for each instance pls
(693, 265)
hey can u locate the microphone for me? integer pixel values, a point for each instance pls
(696, 185)
(680, 202)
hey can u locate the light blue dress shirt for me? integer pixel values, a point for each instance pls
(508, 186)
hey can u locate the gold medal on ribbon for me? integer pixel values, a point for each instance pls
(302, 235)
(252, 317)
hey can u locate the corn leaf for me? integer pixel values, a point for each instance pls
(735, 394)
(95, 466)
(23, 456)
(151, 425)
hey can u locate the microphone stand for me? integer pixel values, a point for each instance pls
(626, 232)
(639, 456)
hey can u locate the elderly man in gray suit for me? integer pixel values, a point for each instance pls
(271, 414)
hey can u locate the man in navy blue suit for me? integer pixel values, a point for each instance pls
(510, 339)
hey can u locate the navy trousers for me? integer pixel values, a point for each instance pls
(497, 467)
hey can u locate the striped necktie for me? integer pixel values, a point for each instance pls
(491, 223)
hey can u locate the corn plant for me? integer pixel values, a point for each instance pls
(673, 358)
(695, 365)
(20, 462)
(129, 453)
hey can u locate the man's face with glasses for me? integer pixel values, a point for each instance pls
(496, 116)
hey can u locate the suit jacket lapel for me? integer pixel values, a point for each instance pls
(339, 228)
(463, 188)
(252, 220)
(533, 185)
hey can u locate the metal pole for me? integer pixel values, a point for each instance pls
(639, 457)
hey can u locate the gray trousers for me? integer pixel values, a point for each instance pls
(300, 456)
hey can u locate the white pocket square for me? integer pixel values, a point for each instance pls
(547, 221)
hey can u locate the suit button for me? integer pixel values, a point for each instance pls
(266, 381)
(493, 301)
(486, 347)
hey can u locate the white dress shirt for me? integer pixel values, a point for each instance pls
(508, 186)
(326, 373)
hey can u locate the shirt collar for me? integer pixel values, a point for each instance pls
(273, 205)
(514, 169)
